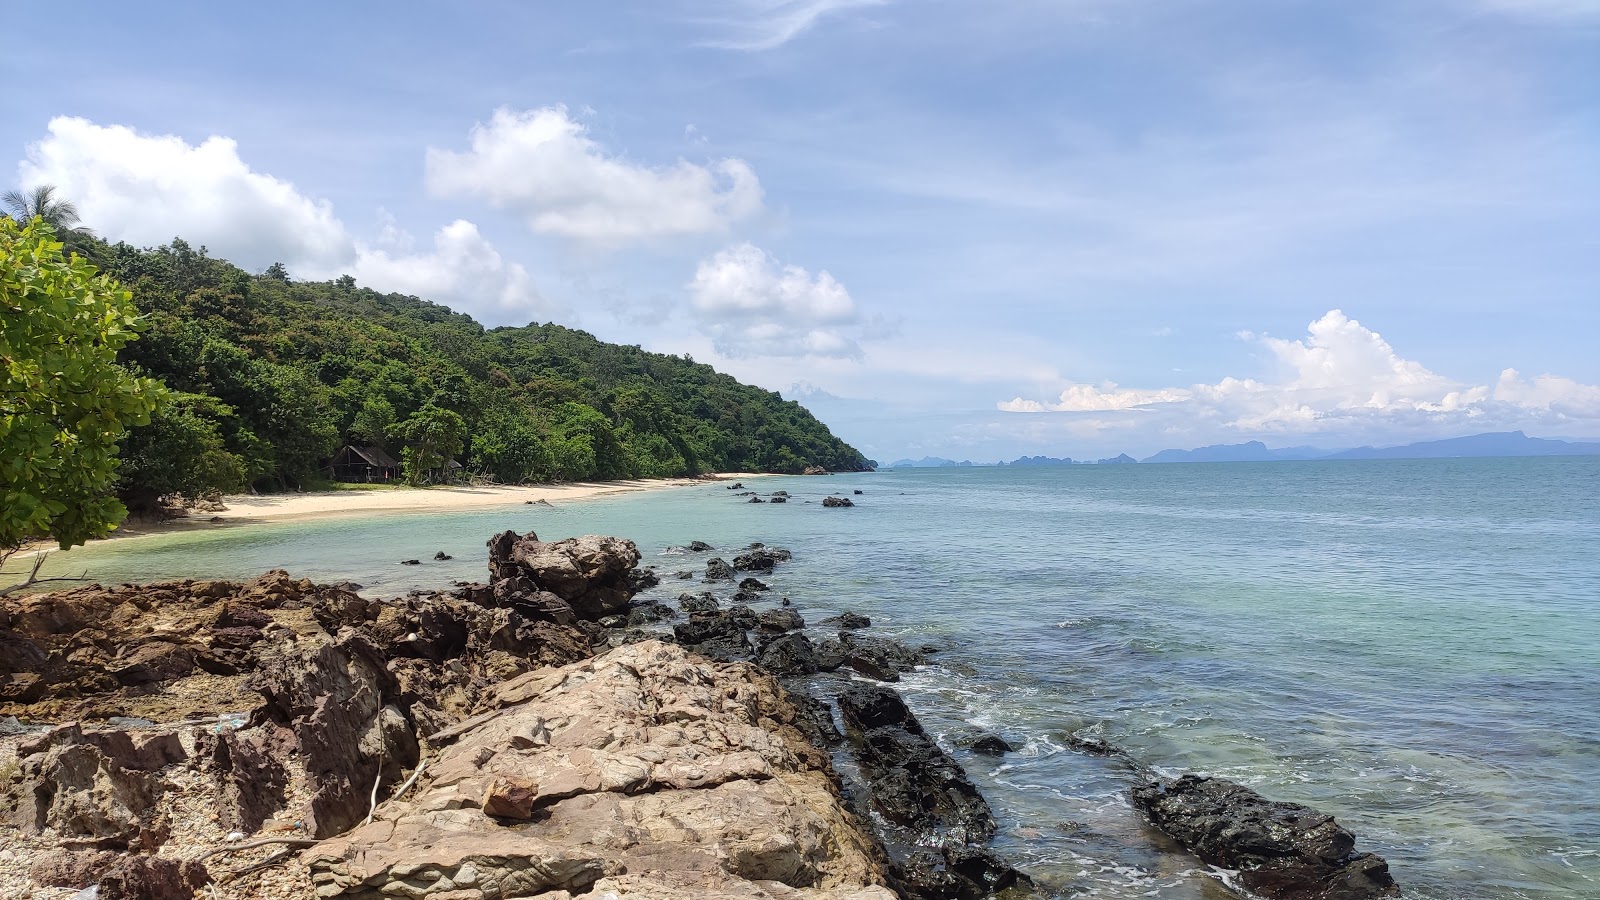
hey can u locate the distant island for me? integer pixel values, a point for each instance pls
(1501, 443)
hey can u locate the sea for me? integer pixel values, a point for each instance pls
(1412, 646)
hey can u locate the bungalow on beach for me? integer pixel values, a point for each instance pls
(363, 464)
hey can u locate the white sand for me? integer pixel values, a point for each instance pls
(324, 504)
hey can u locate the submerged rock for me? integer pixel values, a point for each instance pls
(837, 501)
(1282, 850)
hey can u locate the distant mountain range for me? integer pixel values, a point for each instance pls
(1502, 443)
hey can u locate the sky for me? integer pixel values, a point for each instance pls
(971, 230)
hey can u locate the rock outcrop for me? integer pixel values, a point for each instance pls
(652, 766)
(937, 820)
(1283, 851)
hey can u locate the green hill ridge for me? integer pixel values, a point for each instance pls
(273, 376)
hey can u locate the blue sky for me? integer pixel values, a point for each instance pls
(974, 230)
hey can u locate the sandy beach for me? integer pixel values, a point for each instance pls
(326, 504)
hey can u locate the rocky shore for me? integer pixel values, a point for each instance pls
(542, 734)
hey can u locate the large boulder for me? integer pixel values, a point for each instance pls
(1282, 850)
(655, 773)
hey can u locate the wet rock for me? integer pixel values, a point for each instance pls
(742, 615)
(778, 500)
(756, 500)
(857, 493)
(752, 585)
(780, 493)
(837, 501)
(643, 579)
(410, 562)
(830, 655)
(591, 573)
(702, 546)
(761, 559)
(777, 621)
(717, 569)
(650, 613)
(788, 655)
(881, 658)
(991, 745)
(683, 575)
(736, 486)
(814, 470)
(1282, 850)
(703, 602)
(848, 620)
(441, 555)
(937, 819)
(717, 636)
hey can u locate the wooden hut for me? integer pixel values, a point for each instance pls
(364, 464)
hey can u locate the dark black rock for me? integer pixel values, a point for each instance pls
(737, 485)
(830, 655)
(837, 501)
(1282, 850)
(780, 493)
(651, 613)
(777, 621)
(700, 547)
(683, 575)
(643, 579)
(743, 615)
(858, 493)
(756, 500)
(879, 658)
(704, 602)
(753, 585)
(613, 621)
(937, 819)
(760, 559)
(773, 500)
(717, 569)
(410, 562)
(788, 655)
(441, 555)
(815, 719)
(991, 745)
(717, 636)
(848, 620)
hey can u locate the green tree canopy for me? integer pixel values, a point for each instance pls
(64, 400)
(433, 435)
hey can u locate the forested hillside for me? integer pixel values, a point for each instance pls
(270, 377)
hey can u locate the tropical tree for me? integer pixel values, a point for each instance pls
(44, 203)
(64, 400)
(433, 435)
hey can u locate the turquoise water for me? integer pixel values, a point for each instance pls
(1413, 646)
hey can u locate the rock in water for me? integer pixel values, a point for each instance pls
(717, 569)
(837, 501)
(938, 822)
(1282, 850)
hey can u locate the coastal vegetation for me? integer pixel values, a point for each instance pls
(241, 380)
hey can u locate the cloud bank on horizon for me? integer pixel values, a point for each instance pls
(1342, 379)
(1101, 211)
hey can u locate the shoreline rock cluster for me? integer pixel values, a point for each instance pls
(542, 734)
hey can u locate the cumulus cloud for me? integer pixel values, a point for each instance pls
(148, 189)
(751, 305)
(543, 165)
(1341, 377)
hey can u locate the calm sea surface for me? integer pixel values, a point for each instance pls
(1413, 646)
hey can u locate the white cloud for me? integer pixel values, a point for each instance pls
(543, 165)
(148, 189)
(1342, 378)
(464, 271)
(751, 305)
(767, 24)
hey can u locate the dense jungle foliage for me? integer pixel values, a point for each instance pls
(270, 377)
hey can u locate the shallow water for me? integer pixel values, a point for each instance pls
(1413, 646)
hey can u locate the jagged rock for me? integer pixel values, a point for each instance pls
(717, 636)
(591, 573)
(777, 621)
(702, 546)
(1282, 850)
(441, 555)
(742, 615)
(848, 620)
(643, 579)
(702, 779)
(937, 820)
(752, 585)
(837, 501)
(760, 559)
(756, 500)
(96, 790)
(340, 700)
(717, 569)
(510, 797)
(880, 658)
(703, 602)
(146, 877)
(651, 613)
(778, 500)
(991, 745)
(814, 470)
(788, 655)
(830, 655)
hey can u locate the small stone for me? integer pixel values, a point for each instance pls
(510, 797)
(441, 555)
